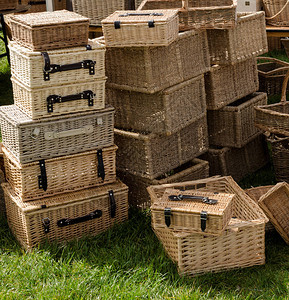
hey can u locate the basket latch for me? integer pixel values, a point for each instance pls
(91, 216)
(112, 203)
(116, 24)
(204, 216)
(46, 225)
(42, 179)
(100, 166)
(168, 213)
(151, 23)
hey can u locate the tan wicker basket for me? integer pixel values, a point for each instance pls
(151, 155)
(226, 84)
(275, 204)
(2, 200)
(277, 12)
(7, 4)
(138, 195)
(142, 69)
(40, 103)
(142, 28)
(28, 66)
(233, 125)
(248, 39)
(50, 30)
(66, 217)
(164, 112)
(60, 175)
(238, 162)
(30, 141)
(193, 211)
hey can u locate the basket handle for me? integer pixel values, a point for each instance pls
(51, 135)
(284, 87)
(279, 12)
(141, 14)
(203, 199)
(91, 216)
(271, 59)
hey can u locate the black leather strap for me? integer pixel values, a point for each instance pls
(155, 14)
(168, 213)
(204, 216)
(36, 2)
(46, 225)
(42, 179)
(151, 23)
(112, 204)
(100, 166)
(116, 24)
(66, 222)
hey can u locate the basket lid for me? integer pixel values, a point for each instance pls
(48, 18)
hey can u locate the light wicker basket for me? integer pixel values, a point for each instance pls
(142, 69)
(85, 213)
(40, 103)
(226, 84)
(7, 4)
(164, 112)
(28, 66)
(277, 12)
(233, 125)
(238, 162)
(248, 39)
(141, 28)
(60, 175)
(30, 140)
(97, 10)
(138, 195)
(151, 155)
(50, 30)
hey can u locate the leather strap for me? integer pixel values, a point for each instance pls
(204, 216)
(42, 179)
(100, 166)
(112, 204)
(66, 222)
(168, 213)
(46, 225)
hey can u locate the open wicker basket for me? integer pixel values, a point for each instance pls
(277, 12)
(7, 4)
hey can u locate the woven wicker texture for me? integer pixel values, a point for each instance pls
(50, 30)
(59, 4)
(151, 155)
(138, 195)
(277, 12)
(186, 214)
(26, 219)
(35, 104)
(30, 141)
(97, 10)
(2, 201)
(233, 125)
(242, 245)
(27, 66)
(248, 39)
(142, 28)
(8, 4)
(285, 43)
(275, 204)
(164, 112)
(142, 69)
(137, 3)
(226, 84)
(238, 162)
(64, 174)
(35, 5)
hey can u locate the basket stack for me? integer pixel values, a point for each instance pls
(58, 139)
(156, 84)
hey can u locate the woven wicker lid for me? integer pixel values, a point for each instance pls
(48, 18)
(53, 202)
(126, 16)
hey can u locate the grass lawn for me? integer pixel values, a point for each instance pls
(128, 262)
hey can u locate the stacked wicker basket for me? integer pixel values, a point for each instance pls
(59, 151)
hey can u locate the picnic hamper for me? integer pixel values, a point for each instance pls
(142, 69)
(60, 175)
(55, 67)
(163, 112)
(151, 155)
(233, 125)
(206, 213)
(30, 140)
(248, 39)
(7, 4)
(66, 217)
(277, 12)
(275, 204)
(138, 195)
(55, 100)
(226, 84)
(50, 30)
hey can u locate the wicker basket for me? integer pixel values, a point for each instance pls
(138, 195)
(277, 12)
(233, 125)
(164, 112)
(40, 103)
(2, 201)
(285, 43)
(248, 39)
(226, 84)
(59, 4)
(66, 217)
(60, 175)
(238, 162)
(97, 10)
(137, 3)
(7, 4)
(151, 155)
(28, 66)
(142, 69)
(30, 141)
(34, 5)
(50, 30)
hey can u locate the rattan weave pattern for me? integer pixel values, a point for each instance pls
(164, 112)
(7, 4)
(26, 219)
(30, 141)
(277, 12)
(35, 5)
(64, 174)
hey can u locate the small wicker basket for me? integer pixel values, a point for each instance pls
(277, 12)
(60, 175)
(7, 4)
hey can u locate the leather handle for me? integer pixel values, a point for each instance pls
(73, 132)
(66, 222)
